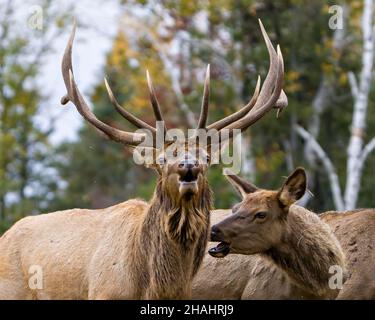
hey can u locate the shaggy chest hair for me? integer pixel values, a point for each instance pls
(173, 240)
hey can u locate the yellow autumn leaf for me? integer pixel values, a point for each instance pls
(343, 79)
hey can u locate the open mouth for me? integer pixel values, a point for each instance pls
(189, 177)
(188, 185)
(221, 250)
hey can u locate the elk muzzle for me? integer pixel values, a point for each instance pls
(188, 171)
(223, 248)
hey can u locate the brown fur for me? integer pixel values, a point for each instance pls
(256, 277)
(307, 251)
(356, 232)
(133, 250)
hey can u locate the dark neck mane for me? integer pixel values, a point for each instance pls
(173, 239)
(307, 252)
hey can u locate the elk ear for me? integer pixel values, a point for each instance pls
(242, 186)
(293, 188)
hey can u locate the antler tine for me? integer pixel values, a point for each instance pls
(218, 125)
(117, 135)
(205, 101)
(271, 89)
(276, 96)
(272, 71)
(257, 113)
(126, 114)
(66, 64)
(259, 99)
(281, 103)
(74, 95)
(154, 100)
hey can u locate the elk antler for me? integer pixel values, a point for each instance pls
(74, 95)
(218, 125)
(271, 95)
(264, 102)
(126, 114)
(205, 101)
(154, 100)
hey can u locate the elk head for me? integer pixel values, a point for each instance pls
(182, 174)
(259, 221)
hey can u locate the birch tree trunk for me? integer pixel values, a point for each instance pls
(358, 127)
(357, 152)
(321, 102)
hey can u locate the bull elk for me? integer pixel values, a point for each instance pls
(135, 249)
(291, 237)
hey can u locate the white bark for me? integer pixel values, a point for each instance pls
(288, 155)
(322, 101)
(355, 147)
(365, 153)
(356, 152)
(328, 166)
(353, 84)
(319, 104)
(322, 98)
(247, 158)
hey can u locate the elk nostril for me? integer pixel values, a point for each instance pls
(215, 233)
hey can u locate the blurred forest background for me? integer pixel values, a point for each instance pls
(328, 126)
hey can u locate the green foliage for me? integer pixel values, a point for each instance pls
(24, 147)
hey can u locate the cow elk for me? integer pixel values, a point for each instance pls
(135, 249)
(255, 276)
(295, 240)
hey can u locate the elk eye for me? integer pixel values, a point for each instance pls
(208, 159)
(261, 215)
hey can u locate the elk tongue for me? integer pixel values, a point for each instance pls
(220, 251)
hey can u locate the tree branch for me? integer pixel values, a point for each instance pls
(366, 151)
(328, 166)
(353, 84)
